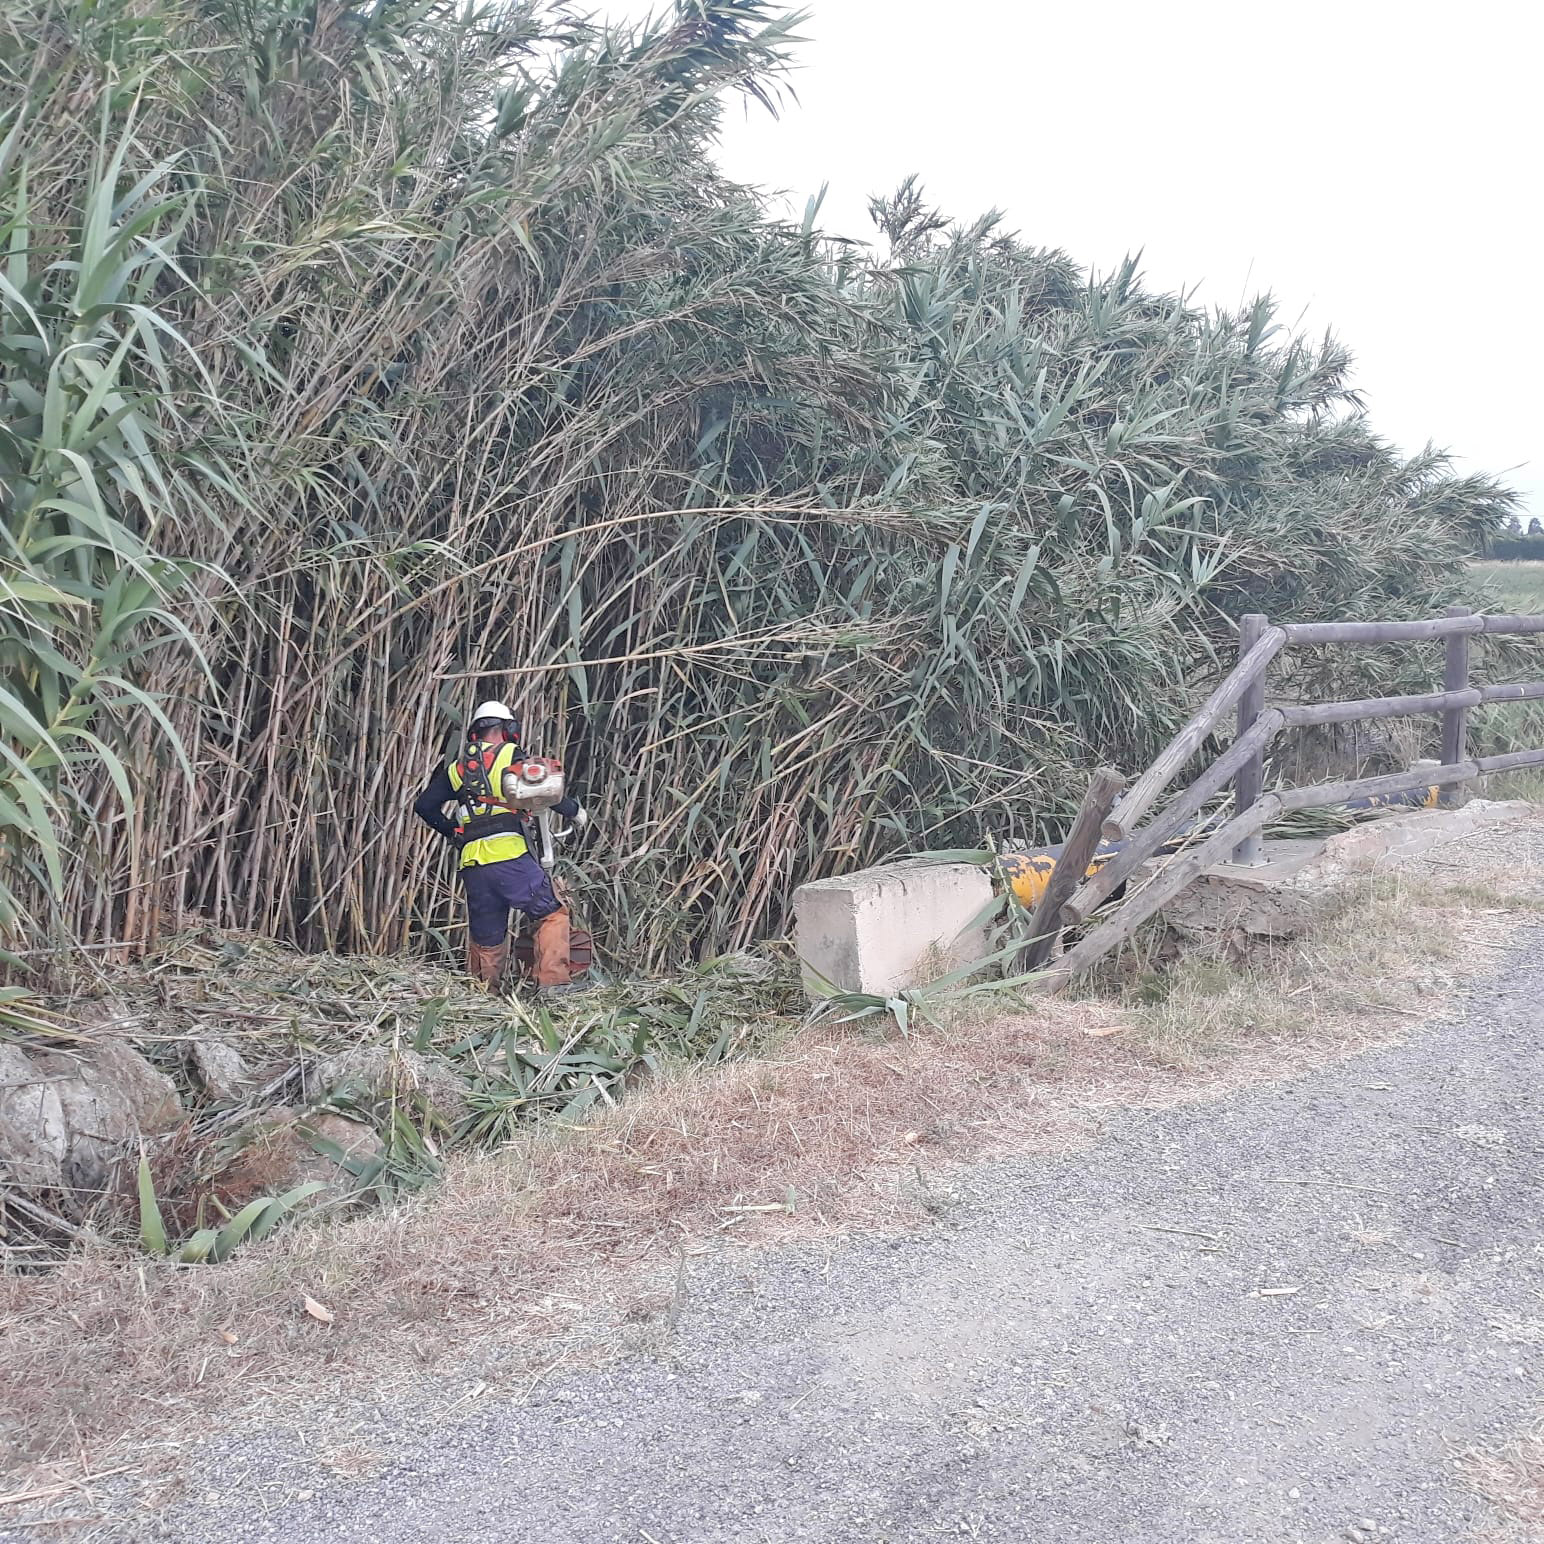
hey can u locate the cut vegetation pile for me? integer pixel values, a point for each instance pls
(362, 361)
(257, 1071)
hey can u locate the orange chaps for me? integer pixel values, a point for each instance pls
(551, 941)
(493, 890)
(551, 950)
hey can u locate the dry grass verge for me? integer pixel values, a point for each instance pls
(1510, 1474)
(588, 1226)
(1388, 954)
(1511, 1478)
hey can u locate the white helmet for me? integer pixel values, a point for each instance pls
(500, 713)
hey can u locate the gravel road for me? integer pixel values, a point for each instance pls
(1271, 1317)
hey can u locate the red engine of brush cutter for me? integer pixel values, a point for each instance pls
(534, 784)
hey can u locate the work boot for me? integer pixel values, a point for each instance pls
(562, 989)
(487, 962)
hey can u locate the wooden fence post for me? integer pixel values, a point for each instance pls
(1455, 720)
(1250, 782)
(1071, 866)
(1141, 794)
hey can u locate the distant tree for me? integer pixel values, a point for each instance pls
(1514, 527)
(1536, 527)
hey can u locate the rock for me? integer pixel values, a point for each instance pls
(275, 1153)
(220, 1069)
(101, 1133)
(32, 1133)
(354, 1137)
(1390, 843)
(109, 1097)
(69, 1119)
(151, 1095)
(1275, 899)
(1301, 881)
(373, 1071)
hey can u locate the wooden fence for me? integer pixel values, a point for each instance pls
(1074, 894)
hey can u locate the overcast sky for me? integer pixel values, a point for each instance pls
(1376, 165)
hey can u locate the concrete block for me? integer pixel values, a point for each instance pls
(884, 929)
(1396, 840)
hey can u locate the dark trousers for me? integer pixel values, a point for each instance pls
(493, 890)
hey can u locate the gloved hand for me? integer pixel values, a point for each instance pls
(581, 818)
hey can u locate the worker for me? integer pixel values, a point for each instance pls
(499, 872)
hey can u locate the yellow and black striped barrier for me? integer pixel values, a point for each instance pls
(1030, 872)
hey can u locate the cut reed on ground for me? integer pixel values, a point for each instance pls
(269, 1081)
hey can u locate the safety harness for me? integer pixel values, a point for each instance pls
(480, 812)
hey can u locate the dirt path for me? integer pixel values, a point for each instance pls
(1273, 1317)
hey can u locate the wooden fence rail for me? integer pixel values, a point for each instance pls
(1077, 894)
(1460, 620)
(1191, 738)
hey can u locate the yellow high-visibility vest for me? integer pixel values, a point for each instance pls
(503, 845)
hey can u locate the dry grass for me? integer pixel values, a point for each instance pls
(1510, 1475)
(1511, 1478)
(1386, 956)
(569, 1237)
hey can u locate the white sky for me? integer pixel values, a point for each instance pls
(1375, 164)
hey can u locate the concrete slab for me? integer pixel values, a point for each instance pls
(891, 927)
(1401, 839)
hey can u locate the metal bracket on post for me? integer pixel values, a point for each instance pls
(1249, 784)
(1455, 721)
